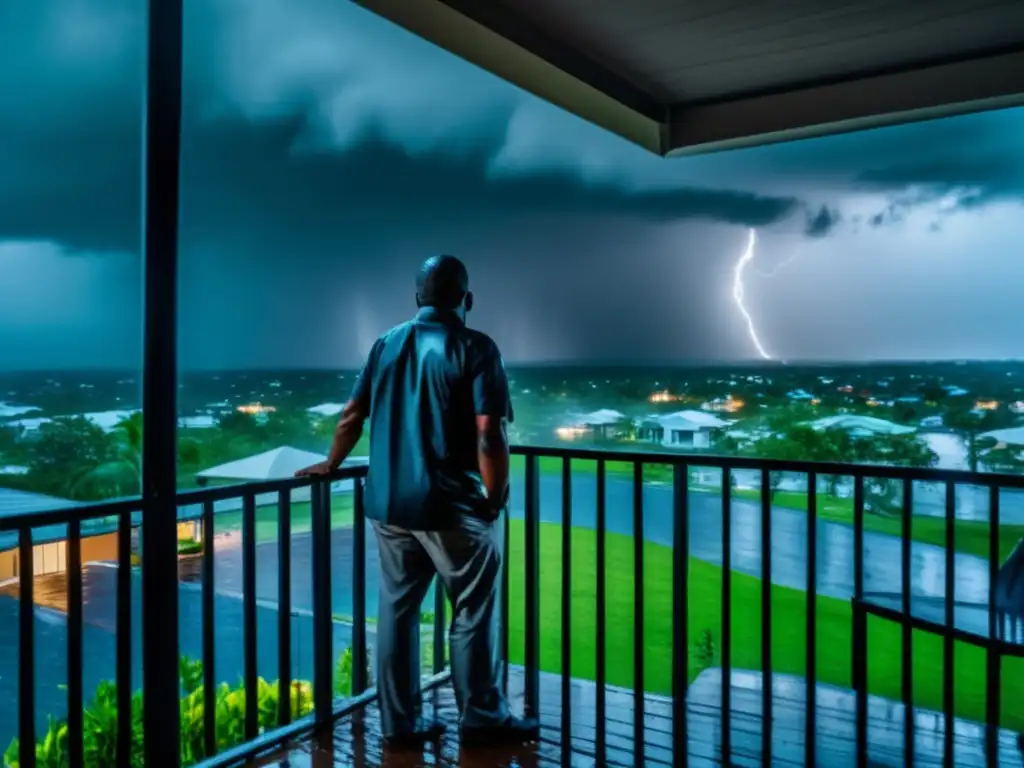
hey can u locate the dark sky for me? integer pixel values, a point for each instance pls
(327, 153)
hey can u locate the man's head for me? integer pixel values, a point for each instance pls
(443, 282)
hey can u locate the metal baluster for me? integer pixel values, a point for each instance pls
(680, 608)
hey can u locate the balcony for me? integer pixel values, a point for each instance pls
(638, 624)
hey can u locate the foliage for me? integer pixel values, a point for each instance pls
(704, 650)
(100, 718)
(189, 547)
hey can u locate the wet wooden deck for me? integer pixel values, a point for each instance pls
(356, 740)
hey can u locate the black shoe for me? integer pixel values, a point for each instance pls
(422, 733)
(515, 730)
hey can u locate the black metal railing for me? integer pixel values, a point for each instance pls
(997, 642)
(326, 708)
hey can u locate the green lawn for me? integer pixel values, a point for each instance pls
(971, 536)
(266, 518)
(705, 613)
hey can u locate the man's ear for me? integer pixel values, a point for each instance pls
(419, 302)
(468, 303)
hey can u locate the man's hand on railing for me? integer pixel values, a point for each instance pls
(315, 470)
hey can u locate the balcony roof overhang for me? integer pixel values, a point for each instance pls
(687, 78)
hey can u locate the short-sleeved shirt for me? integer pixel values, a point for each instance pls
(424, 383)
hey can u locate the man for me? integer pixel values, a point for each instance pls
(436, 396)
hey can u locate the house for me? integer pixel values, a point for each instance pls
(602, 424)
(932, 422)
(682, 429)
(49, 553)
(800, 395)
(861, 426)
(275, 464)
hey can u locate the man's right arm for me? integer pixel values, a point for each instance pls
(493, 408)
(492, 451)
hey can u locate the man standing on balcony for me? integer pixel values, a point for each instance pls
(436, 396)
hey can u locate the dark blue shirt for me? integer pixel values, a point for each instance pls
(423, 385)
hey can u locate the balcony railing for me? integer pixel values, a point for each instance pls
(668, 723)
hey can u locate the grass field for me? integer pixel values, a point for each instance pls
(705, 614)
(971, 536)
(266, 518)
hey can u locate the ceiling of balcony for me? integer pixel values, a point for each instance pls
(695, 75)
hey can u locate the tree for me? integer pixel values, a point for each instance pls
(65, 450)
(120, 471)
(969, 424)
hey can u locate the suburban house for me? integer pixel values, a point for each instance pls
(682, 429)
(861, 426)
(601, 424)
(99, 537)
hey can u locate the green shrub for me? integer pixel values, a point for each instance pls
(189, 547)
(100, 718)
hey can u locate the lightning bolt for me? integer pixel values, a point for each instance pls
(778, 267)
(737, 293)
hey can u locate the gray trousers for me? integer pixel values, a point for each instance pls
(469, 562)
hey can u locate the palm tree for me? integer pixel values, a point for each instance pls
(120, 474)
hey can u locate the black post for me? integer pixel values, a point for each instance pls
(726, 662)
(860, 650)
(566, 661)
(249, 626)
(811, 627)
(680, 608)
(767, 680)
(639, 731)
(993, 673)
(600, 645)
(531, 542)
(948, 679)
(123, 655)
(323, 628)
(161, 715)
(504, 630)
(359, 681)
(284, 607)
(209, 634)
(907, 639)
(440, 622)
(26, 652)
(76, 753)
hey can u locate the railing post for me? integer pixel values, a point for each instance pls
(680, 610)
(566, 658)
(726, 660)
(76, 753)
(948, 679)
(209, 633)
(284, 607)
(26, 652)
(907, 632)
(993, 672)
(767, 678)
(161, 690)
(860, 640)
(323, 630)
(639, 730)
(811, 627)
(531, 545)
(359, 681)
(249, 627)
(600, 625)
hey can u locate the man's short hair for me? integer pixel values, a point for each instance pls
(443, 281)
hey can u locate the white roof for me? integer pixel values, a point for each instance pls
(688, 420)
(861, 424)
(278, 463)
(326, 409)
(105, 420)
(1011, 436)
(197, 422)
(8, 411)
(603, 416)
